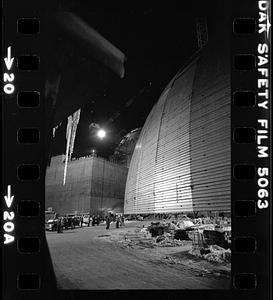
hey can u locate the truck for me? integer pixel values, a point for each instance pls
(51, 220)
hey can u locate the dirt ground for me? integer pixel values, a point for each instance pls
(96, 258)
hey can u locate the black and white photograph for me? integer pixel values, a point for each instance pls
(137, 185)
(136, 149)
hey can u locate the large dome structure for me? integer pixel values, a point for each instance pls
(124, 151)
(182, 160)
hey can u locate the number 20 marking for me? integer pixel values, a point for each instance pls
(9, 87)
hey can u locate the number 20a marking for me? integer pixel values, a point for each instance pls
(9, 87)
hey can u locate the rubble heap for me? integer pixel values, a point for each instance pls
(207, 237)
(167, 240)
(213, 253)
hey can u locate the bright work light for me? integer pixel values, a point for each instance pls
(101, 133)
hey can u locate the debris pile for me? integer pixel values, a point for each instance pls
(126, 243)
(168, 241)
(214, 237)
(145, 239)
(178, 229)
(183, 224)
(207, 237)
(172, 260)
(146, 233)
(141, 238)
(213, 253)
(181, 234)
(157, 228)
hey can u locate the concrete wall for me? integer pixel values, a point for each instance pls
(92, 185)
(107, 186)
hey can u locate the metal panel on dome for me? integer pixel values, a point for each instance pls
(210, 132)
(172, 192)
(154, 182)
(181, 162)
(139, 194)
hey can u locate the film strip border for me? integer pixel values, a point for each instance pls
(23, 132)
(27, 265)
(250, 153)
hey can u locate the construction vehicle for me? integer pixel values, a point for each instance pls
(51, 219)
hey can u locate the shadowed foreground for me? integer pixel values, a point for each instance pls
(85, 258)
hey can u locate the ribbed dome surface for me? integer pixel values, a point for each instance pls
(182, 159)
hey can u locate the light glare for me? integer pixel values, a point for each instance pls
(101, 133)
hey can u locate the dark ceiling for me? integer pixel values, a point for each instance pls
(156, 43)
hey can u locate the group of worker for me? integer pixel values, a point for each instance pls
(69, 222)
(118, 219)
(65, 223)
(94, 220)
(60, 225)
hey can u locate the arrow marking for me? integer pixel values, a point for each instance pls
(8, 197)
(9, 60)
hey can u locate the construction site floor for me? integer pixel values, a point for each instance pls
(96, 258)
